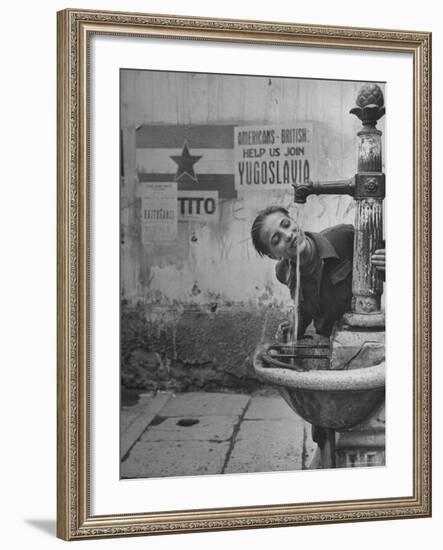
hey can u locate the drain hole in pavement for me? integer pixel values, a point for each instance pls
(187, 422)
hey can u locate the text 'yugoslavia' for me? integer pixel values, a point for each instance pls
(273, 172)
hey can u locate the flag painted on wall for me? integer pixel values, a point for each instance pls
(200, 158)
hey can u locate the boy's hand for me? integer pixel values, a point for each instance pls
(283, 334)
(378, 259)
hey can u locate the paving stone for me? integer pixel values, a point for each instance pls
(129, 413)
(126, 417)
(206, 404)
(271, 436)
(168, 458)
(268, 408)
(207, 428)
(134, 420)
(268, 446)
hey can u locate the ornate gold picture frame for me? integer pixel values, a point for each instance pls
(76, 517)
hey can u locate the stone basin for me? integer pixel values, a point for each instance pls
(333, 399)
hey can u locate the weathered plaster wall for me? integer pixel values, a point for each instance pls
(212, 270)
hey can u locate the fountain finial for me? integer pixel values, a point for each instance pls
(370, 104)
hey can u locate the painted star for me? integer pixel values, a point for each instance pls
(185, 164)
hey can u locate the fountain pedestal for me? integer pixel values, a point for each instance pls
(363, 445)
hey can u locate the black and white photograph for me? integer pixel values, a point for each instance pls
(252, 274)
(217, 283)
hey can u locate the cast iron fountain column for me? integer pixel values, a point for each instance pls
(369, 193)
(367, 188)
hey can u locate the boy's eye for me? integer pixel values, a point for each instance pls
(285, 223)
(275, 239)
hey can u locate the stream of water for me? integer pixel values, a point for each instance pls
(296, 296)
(298, 216)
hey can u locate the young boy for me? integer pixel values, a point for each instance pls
(325, 265)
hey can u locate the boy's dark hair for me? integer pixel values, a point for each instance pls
(257, 241)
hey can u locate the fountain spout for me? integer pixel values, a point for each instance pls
(339, 187)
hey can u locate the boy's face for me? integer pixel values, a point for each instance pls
(281, 235)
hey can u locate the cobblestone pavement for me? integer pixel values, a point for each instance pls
(211, 433)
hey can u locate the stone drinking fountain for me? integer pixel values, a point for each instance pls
(339, 386)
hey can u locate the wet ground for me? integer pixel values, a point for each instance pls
(210, 433)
